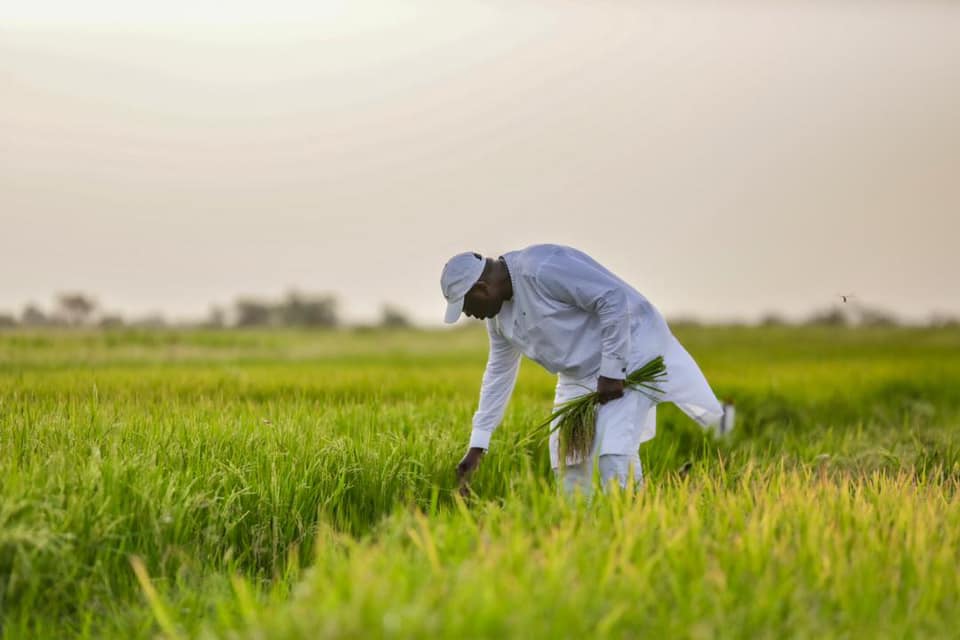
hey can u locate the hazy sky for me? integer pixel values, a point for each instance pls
(726, 159)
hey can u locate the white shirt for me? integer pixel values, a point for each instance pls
(569, 314)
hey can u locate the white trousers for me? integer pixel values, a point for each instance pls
(625, 423)
(613, 468)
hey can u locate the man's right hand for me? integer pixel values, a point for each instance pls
(466, 468)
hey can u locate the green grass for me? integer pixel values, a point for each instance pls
(300, 485)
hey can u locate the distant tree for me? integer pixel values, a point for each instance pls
(33, 316)
(7, 321)
(393, 318)
(877, 318)
(943, 321)
(298, 310)
(111, 321)
(833, 317)
(252, 313)
(772, 319)
(75, 308)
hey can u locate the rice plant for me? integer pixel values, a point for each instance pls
(290, 484)
(576, 419)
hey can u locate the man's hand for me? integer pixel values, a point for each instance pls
(466, 468)
(609, 389)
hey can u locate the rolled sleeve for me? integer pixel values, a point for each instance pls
(480, 438)
(613, 367)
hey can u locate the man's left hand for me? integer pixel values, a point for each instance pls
(609, 389)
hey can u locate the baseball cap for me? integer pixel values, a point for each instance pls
(459, 275)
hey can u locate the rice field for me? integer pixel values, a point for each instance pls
(233, 484)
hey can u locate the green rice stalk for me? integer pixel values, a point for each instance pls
(576, 419)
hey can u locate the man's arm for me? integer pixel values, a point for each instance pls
(499, 378)
(577, 280)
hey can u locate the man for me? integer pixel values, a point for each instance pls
(565, 311)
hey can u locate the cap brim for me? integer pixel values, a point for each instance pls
(454, 308)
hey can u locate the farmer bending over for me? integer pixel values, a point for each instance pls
(562, 309)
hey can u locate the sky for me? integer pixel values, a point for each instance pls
(727, 159)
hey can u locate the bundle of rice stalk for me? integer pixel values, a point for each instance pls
(576, 419)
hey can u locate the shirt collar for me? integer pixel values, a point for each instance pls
(509, 259)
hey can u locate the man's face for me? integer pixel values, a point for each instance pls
(481, 302)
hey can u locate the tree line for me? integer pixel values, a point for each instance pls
(294, 309)
(297, 309)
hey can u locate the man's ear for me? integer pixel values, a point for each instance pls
(482, 288)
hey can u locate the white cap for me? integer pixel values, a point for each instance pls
(459, 275)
